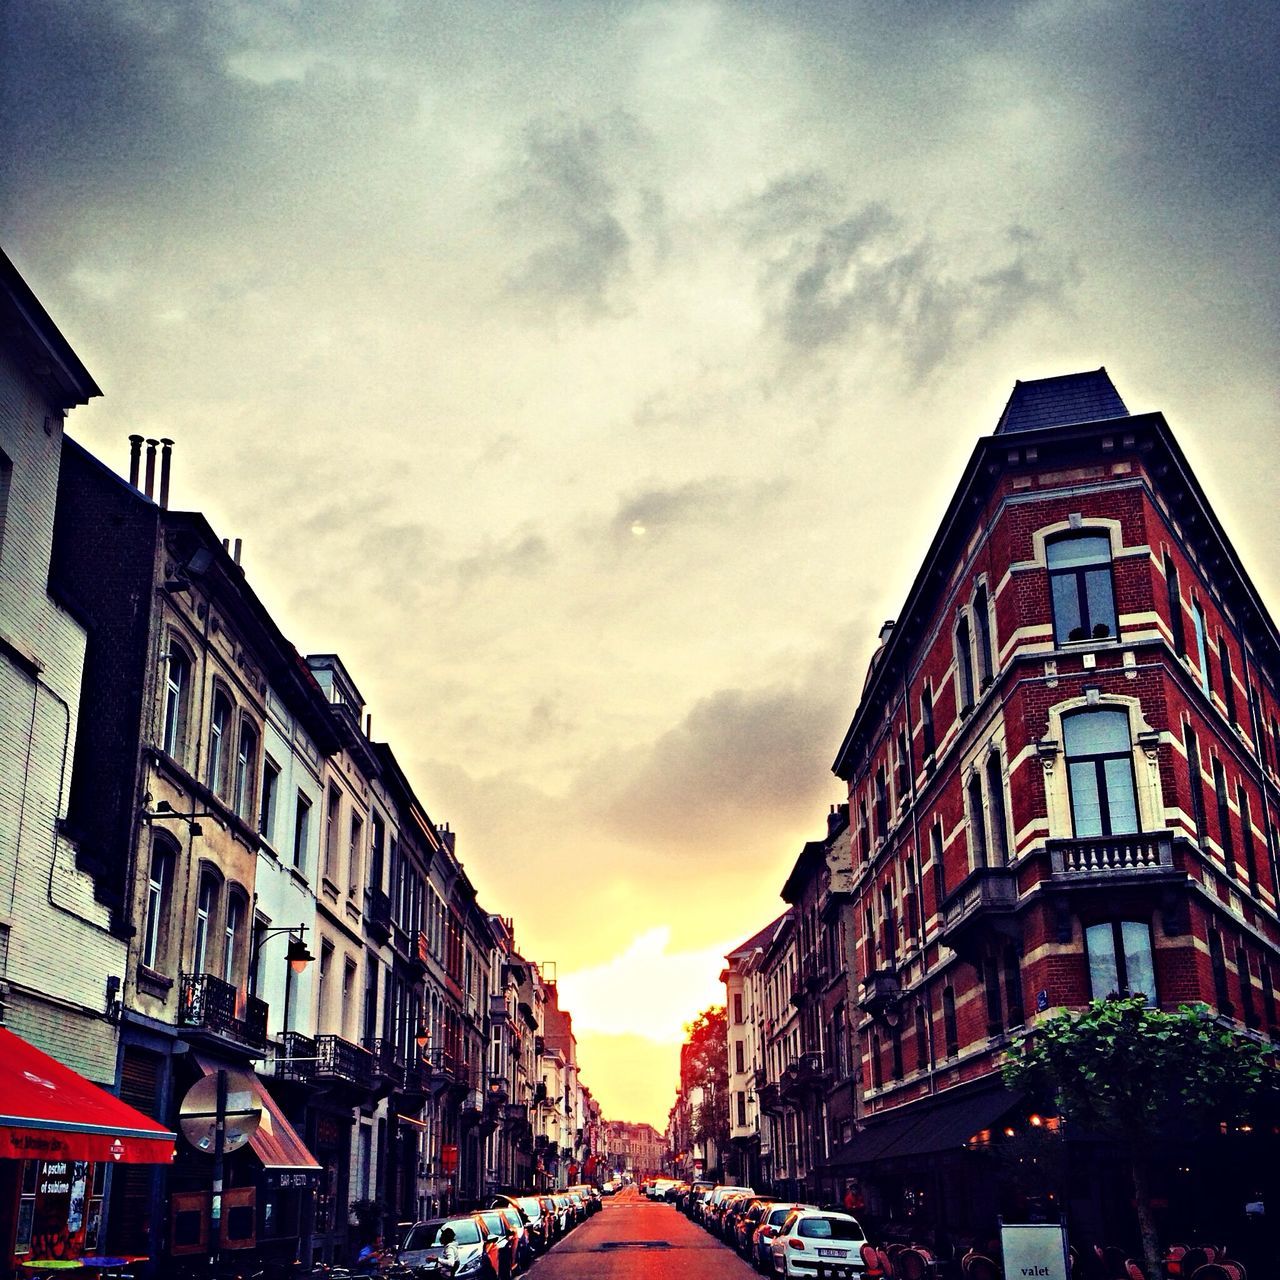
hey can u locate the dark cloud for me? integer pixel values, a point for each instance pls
(832, 275)
(578, 213)
(521, 555)
(656, 511)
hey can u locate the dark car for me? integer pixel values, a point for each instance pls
(477, 1247)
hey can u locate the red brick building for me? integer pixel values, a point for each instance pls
(1062, 784)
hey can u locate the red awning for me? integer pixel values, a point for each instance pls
(275, 1141)
(49, 1112)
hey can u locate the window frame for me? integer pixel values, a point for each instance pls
(217, 756)
(175, 714)
(1120, 959)
(1099, 761)
(245, 769)
(1079, 574)
(158, 902)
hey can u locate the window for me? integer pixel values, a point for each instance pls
(982, 620)
(1194, 778)
(939, 871)
(949, 1021)
(1268, 997)
(1246, 838)
(322, 986)
(926, 721)
(1248, 1011)
(737, 1008)
(1100, 773)
(266, 809)
(206, 909)
(739, 1057)
(977, 823)
(877, 1067)
(902, 784)
(1084, 605)
(991, 985)
(864, 838)
(964, 664)
(922, 1038)
(232, 932)
(177, 686)
(1202, 644)
(1013, 987)
(377, 850)
(301, 829)
(1120, 962)
(1224, 812)
(999, 825)
(882, 804)
(159, 887)
(355, 858)
(742, 1109)
(1228, 683)
(1176, 626)
(246, 769)
(1218, 961)
(332, 809)
(219, 727)
(890, 925)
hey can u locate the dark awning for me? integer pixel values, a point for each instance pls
(941, 1124)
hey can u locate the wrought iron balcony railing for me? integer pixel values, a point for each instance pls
(339, 1059)
(210, 1005)
(377, 914)
(388, 1061)
(296, 1059)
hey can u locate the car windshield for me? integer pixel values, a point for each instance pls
(828, 1229)
(422, 1235)
(426, 1235)
(778, 1216)
(530, 1207)
(493, 1220)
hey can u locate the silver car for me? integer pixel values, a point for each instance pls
(423, 1247)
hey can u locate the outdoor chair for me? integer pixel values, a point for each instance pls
(914, 1264)
(1223, 1270)
(887, 1267)
(977, 1266)
(1132, 1271)
(1192, 1260)
(870, 1261)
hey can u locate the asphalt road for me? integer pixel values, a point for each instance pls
(636, 1239)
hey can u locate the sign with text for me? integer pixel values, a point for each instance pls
(1036, 1252)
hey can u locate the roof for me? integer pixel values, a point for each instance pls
(47, 353)
(1061, 401)
(758, 941)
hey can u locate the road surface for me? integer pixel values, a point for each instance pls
(638, 1239)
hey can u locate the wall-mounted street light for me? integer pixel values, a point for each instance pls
(423, 1035)
(297, 954)
(164, 812)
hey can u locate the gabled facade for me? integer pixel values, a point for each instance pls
(1062, 784)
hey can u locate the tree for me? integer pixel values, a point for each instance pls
(705, 1064)
(1129, 1072)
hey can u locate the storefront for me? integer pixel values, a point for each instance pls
(60, 1135)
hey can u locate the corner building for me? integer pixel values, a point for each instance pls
(1062, 785)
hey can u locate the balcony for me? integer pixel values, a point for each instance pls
(207, 1007)
(388, 1062)
(296, 1058)
(438, 1070)
(498, 1009)
(377, 914)
(879, 990)
(339, 1061)
(419, 954)
(985, 900)
(1107, 859)
(769, 1098)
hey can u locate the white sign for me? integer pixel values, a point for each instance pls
(1038, 1251)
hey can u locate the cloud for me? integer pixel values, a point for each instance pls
(660, 510)
(520, 555)
(834, 275)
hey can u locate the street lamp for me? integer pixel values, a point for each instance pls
(297, 954)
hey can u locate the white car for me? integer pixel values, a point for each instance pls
(813, 1242)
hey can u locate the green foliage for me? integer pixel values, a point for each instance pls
(1126, 1070)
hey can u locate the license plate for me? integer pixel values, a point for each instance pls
(831, 1253)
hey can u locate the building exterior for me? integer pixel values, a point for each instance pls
(637, 1150)
(1062, 784)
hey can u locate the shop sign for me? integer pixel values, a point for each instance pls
(449, 1159)
(1036, 1252)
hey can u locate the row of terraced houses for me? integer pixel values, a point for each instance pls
(209, 864)
(1063, 783)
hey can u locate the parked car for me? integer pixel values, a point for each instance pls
(477, 1246)
(717, 1197)
(776, 1212)
(744, 1223)
(535, 1218)
(815, 1241)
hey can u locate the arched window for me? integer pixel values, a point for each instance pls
(246, 769)
(999, 824)
(1099, 755)
(949, 1021)
(206, 913)
(877, 1067)
(964, 663)
(1084, 601)
(233, 938)
(982, 623)
(159, 894)
(922, 1038)
(219, 746)
(177, 688)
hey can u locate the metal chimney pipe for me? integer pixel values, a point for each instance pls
(235, 551)
(135, 459)
(166, 461)
(151, 467)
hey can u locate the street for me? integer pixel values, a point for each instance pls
(638, 1238)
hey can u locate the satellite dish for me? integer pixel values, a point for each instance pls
(198, 1115)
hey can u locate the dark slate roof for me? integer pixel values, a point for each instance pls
(759, 941)
(1058, 402)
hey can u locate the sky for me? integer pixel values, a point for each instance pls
(593, 376)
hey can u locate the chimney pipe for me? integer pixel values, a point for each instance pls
(135, 459)
(166, 461)
(151, 467)
(226, 545)
(368, 726)
(235, 551)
